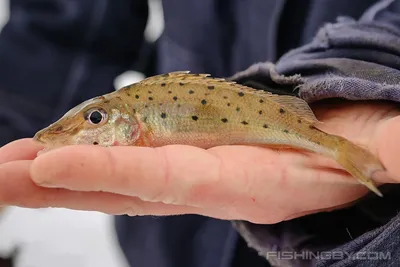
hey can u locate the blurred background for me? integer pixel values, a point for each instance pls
(60, 237)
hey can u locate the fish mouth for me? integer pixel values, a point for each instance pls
(52, 134)
(49, 141)
(47, 138)
(38, 138)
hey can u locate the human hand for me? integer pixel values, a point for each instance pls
(228, 182)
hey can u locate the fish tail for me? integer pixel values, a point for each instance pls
(360, 163)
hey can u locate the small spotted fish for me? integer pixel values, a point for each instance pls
(198, 110)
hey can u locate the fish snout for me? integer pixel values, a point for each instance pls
(48, 134)
(38, 137)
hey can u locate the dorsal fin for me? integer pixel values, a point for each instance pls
(182, 76)
(296, 105)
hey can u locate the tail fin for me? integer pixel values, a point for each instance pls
(360, 163)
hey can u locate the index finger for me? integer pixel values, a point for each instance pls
(22, 149)
(153, 174)
(236, 178)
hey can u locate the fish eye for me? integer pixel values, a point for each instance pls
(96, 116)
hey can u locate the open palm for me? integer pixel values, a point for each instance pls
(229, 182)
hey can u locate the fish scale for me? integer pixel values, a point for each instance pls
(202, 111)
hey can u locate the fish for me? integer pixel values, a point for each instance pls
(200, 110)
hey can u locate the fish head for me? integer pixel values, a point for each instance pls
(104, 121)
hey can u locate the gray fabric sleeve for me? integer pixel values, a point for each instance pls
(357, 60)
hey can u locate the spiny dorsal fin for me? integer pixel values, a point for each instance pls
(184, 76)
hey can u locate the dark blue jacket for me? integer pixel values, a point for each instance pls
(56, 53)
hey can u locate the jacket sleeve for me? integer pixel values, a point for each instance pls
(350, 59)
(57, 53)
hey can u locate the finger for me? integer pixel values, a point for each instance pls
(268, 189)
(160, 174)
(388, 144)
(23, 149)
(17, 189)
(190, 176)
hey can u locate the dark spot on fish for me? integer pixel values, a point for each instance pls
(128, 94)
(160, 104)
(195, 118)
(74, 131)
(299, 121)
(145, 119)
(211, 87)
(312, 127)
(163, 84)
(163, 115)
(261, 101)
(203, 102)
(134, 111)
(165, 75)
(241, 94)
(146, 106)
(244, 122)
(197, 75)
(179, 105)
(137, 96)
(206, 94)
(169, 92)
(224, 120)
(150, 98)
(191, 92)
(150, 92)
(175, 98)
(265, 125)
(95, 143)
(181, 84)
(318, 143)
(260, 112)
(59, 128)
(229, 104)
(285, 131)
(281, 110)
(106, 101)
(225, 97)
(237, 109)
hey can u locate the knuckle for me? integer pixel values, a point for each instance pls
(111, 164)
(161, 190)
(212, 186)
